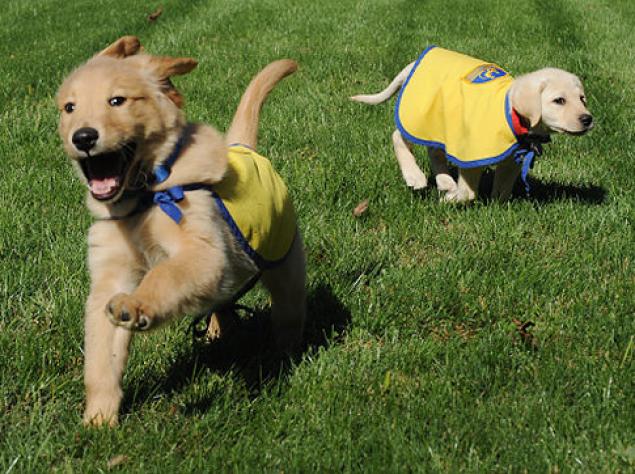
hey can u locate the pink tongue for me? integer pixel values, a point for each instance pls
(102, 186)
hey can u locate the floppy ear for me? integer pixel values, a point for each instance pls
(123, 47)
(526, 97)
(166, 67)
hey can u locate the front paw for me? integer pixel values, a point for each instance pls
(129, 312)
(415, 178)
(98, 419)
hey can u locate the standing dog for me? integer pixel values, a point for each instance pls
(473, 114)
(185, 219)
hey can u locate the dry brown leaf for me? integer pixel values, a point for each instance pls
(361, 208)
(117, 460)
(156, 14)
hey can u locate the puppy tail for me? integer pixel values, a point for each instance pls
(244, 126)
(388, 91)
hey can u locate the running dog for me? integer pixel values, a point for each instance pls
(185, 219)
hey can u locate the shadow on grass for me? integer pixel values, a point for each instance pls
(248, 352)
(540, 191)
(550, 191)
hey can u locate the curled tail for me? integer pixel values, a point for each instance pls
(244, 126)
(388, 91)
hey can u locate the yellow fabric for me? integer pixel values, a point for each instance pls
(443, 102)
(258, 201)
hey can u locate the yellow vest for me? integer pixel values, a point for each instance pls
(255, 203)
(459, 104)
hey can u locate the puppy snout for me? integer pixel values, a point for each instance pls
(85, 138)
(586, 120)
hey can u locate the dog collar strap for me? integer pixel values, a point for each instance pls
(526, 156)
(162, 171)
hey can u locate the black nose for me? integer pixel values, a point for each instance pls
(586, 120)
(85, 138)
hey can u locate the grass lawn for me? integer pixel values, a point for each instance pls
(414, 362)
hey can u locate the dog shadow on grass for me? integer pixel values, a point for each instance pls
(247, 352)
(541, 192)
(550, 191)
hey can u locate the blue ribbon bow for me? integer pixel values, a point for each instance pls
(167, 202)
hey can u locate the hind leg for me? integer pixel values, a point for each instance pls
(410, 171)
(287, 285)
(440, 170)
(467, 187)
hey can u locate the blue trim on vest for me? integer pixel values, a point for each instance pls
(452, 159)
(261, 263)
(167, 200)
(234, 145)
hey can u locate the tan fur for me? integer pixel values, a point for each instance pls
(532, 95)
(244, 127)
(146, 269)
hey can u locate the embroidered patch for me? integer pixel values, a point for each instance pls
(485, 73)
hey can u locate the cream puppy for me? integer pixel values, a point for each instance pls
(473, 114)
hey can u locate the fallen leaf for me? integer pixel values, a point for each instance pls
(361, 208)
(117, 461)
(153, 16)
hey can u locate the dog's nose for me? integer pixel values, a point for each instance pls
(586, 120)
(85, 138)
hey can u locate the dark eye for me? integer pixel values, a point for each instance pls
(117, 101)
(583, 99)
(560, 101)
(69, 107)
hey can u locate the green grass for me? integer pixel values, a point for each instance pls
(414, 363)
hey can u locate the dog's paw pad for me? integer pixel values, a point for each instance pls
(126, 311)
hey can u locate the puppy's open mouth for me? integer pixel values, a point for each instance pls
(106, 172)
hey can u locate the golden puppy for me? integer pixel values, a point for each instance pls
(473, 114)
(185, 220)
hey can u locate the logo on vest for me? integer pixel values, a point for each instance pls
(485, 73)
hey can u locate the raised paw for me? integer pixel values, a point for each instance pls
(128, 312)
